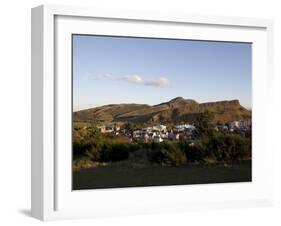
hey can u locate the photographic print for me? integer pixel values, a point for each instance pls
(156, 111)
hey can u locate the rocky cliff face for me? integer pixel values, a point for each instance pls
(173, 111)
(222, 103)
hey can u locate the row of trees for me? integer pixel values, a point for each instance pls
(219, 148)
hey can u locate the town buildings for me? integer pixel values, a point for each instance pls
(160, 132)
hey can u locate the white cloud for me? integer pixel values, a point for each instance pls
(99, 77)
(161, 82)
(136, 79)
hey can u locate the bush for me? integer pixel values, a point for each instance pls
(166, 153)
(119, 152)
(219, 147)
(230, 147)
(195, 151)
(84, 139)
(80, 148)
(135, 146)
(110, 152)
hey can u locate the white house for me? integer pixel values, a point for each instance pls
(158, 139)
(117, 128)
(137, 133)
(183, 127)
(165, 135)
(160, 128)
(240, 124)
(234, 124)
(246, 123)
(147, 129)
(102, 128)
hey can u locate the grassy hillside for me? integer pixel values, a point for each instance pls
(175, 110)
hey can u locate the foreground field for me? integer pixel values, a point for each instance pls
(113, 177)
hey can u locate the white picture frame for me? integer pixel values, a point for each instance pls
(52, 197)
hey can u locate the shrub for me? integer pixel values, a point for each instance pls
(219, 147)
(230, 147)
(84, 139)
(135, 146)
(166, 153)
(119, 152)
(110, 152)
(195, 151)
(80, 148)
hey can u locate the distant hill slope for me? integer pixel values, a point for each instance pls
(173, 111)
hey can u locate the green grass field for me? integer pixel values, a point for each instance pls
(118, 176)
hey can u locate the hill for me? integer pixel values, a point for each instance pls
(173, 111)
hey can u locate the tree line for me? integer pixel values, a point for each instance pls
(210, 145)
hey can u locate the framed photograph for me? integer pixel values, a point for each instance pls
(138, 112)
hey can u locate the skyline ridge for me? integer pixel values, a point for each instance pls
(165, 102)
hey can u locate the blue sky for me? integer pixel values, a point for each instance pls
(108, 70)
